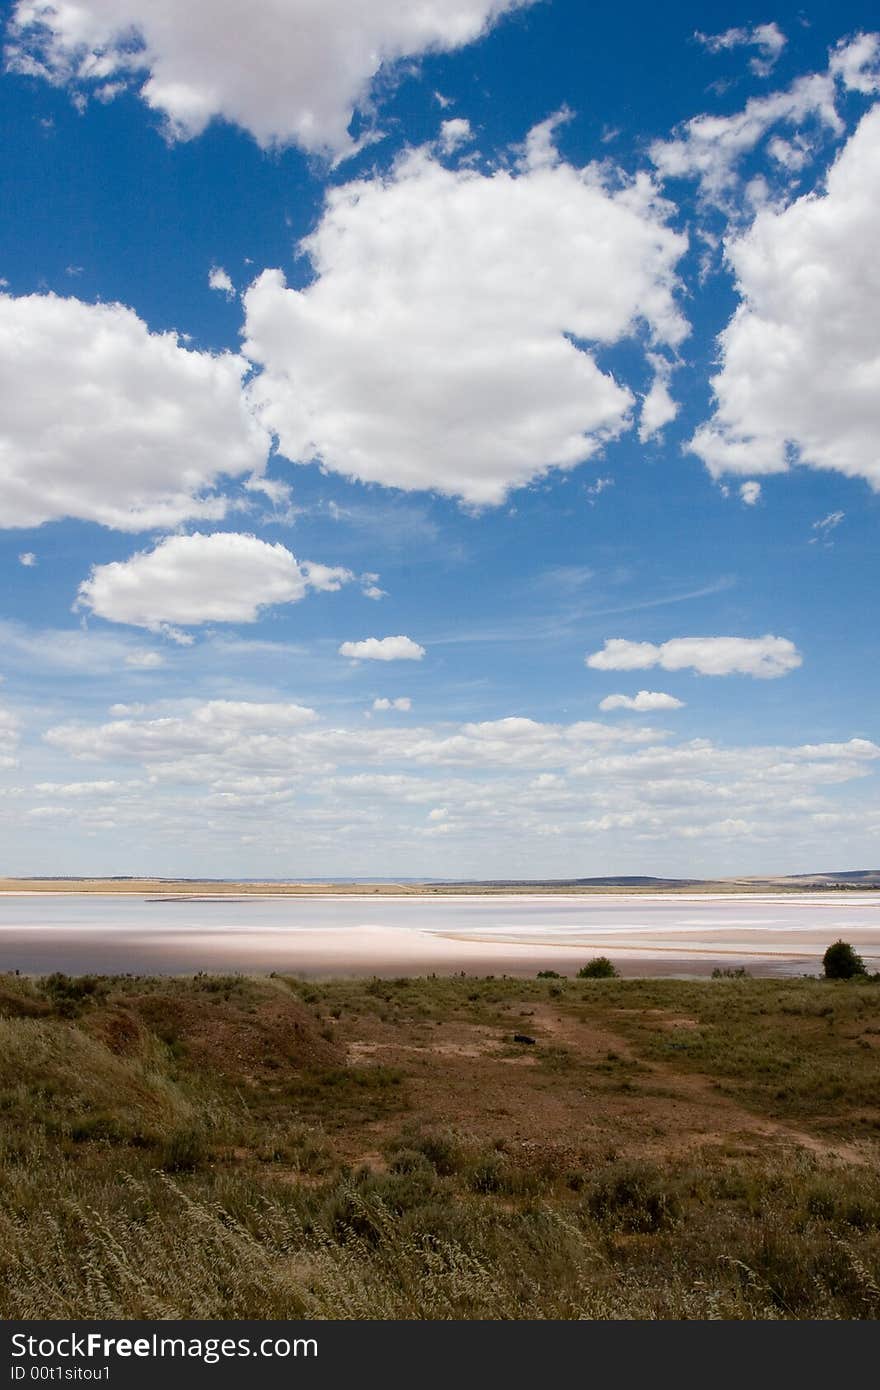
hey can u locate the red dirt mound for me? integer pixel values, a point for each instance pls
(120, 1030)
(17, 1001)
(253, 1033)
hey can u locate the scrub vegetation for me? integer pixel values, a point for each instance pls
(280, 1148)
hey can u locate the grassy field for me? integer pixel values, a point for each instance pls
(274, 1148)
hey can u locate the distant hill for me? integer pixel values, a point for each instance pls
(856, 878)
(611, 881)
(849, 878)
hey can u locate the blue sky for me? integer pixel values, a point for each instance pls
(534, 346)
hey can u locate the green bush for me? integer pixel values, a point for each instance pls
(183, 1151)
(841, 962)
(634, 1200)
(599, 968)
(68, 994)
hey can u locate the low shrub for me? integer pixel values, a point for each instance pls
(599, 968)
(634, 1201)
(841, 962)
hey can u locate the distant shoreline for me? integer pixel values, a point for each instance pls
(207, 889)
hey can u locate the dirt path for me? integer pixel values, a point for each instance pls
(582, 1096)
(711, 1116)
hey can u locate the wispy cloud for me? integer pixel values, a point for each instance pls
(558, 625)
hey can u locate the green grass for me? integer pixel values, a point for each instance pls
(139, 1179)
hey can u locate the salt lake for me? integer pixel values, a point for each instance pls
(681, 934)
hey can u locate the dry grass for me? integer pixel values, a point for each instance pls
(219, 888)
(381, 1149)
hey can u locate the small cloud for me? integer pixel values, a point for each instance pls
(454, 133)
(438, 813)
(73, 270)
(539, 151)
(765, 658)
(750, 493)
(176, 634)
(278, 493)
(596, 489)
(144, 660)
(767, 38)
(644, 701)
(566, 579)
(658, 408)
(829, 522)
(28, 559)
(370, 587)
(202, 578)
(402, 703)
(398, 648)
(824, 528)
(218, 279)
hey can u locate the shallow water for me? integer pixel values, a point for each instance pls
(770, 934)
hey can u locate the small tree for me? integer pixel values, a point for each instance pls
(599, 968)
(841, 962)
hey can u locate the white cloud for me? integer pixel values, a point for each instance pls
(658, 407)
(104, 421)
(767, 38)
(212, 728)
(593, 490)
(711, 148)
(219, 279)
(403, 703)
(145, 660)
(9, 737)
(77, 789)
(823, 528)
(800, 359)
(383, 649)
(644, 701)
(829, 522)
(454, 133)
(619, 654)
(446, 340)
(292, 73)
(254, 738)
(241, 716)
(28, 559)
(856, 63)
(76, 652)
(750, 492)
(222, 578)
(212, 772)
(826, 525)
(762, 657)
